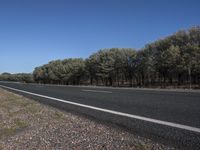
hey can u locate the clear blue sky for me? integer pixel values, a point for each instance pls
(33, 32)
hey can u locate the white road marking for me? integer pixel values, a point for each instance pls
(166, 123)
(97, 91)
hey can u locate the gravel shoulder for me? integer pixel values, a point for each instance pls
(27, 124)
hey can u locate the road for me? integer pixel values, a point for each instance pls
(170, 117)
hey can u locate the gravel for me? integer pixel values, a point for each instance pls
(27, 124)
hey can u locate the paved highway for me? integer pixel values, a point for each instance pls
(170, 117)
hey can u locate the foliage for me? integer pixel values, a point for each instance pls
(21, 77)
(172, 61)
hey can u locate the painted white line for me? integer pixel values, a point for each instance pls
(97, 91)
(166, 123)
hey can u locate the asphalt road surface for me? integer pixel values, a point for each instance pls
(170, 117)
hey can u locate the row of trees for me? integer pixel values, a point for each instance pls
(20, 77)
(106, 67)
(68, 71)
(172, 61)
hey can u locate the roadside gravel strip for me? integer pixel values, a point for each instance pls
(26, 124)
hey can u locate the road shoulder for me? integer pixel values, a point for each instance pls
(26, 124)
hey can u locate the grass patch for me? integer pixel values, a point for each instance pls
(5, 104)
(20, 124)
(33, 108)
(17, 100)
(59, 115)
(6, 132)
(141, 146)
(11, 105)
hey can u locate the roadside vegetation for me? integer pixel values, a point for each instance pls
(170, 62)
(20, 77)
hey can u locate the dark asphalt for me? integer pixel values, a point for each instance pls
(172, 106)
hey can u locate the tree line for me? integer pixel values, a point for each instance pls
(19, 77)
(172, 61)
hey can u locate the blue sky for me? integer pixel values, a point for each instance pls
(33, 32)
